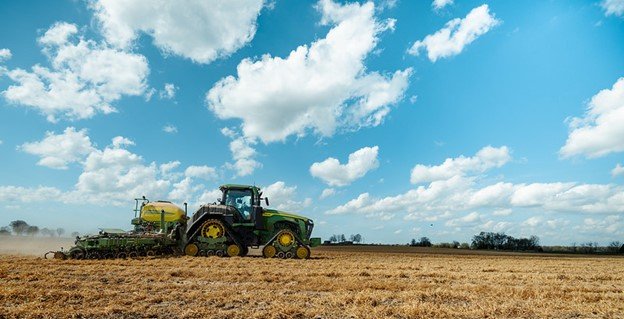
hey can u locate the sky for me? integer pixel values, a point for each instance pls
(392, 119)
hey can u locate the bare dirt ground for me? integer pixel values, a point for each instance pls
(339, 282)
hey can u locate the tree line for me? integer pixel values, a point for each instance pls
(342, 239)
(22, 228)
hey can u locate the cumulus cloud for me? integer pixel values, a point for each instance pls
(170, 129)
(198, 30)
(13, 194)
(617, 170)
(283, 197)
(600, 131)
(242, 152)
(109, 176)
(168, 92)
(85, 77)
(203, 171)
(5, 54)
(328, 192)
(335, 174)
(456, 34)
(464, 192)
(467, 220)
(318, 87)
(58, 150)
(485, 159)
(120, 141)
(439, 4)
(613, 7)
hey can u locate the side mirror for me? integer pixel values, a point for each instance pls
(266, 200)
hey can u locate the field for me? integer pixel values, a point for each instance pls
(339, 282)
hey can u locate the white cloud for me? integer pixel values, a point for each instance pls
(15, 194)
(198, 30)
(494, 226)
(467, 220)
(204, 172)
(167, 168)
(5, 54)
(120, 141)
(487, 158)
(168, 92)
(600, 131)
(352, 206)
(58, 150)
(208, 197)
(110, 176)
(398, 231)
(184, 190)
(328, 192)
(335, 174)
(84, 79)
(284, 197)
(617, 170)
(533, 221)
(113, 174)
(463, 192)
(502, 212)
(242, 152)
(613, 7)
(456, 34)
(439, 4)
(318, 87)
(170, 129)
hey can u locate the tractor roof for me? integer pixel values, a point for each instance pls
(237, 186)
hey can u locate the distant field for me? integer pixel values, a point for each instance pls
(339, 282)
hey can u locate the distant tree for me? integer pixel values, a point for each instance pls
(47, 232)
(614, 246)
(333, 238)
(32, 230)
(60, 231)
(343, 238)
(464, 246)
(75, 234)
(5, 231)
(19, 226)
(355, 238)
(455, 244)
(424, 242)
(413, 242)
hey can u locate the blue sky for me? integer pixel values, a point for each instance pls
(392, 119)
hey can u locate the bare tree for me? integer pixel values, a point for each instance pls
(60, 231)
(75, 234)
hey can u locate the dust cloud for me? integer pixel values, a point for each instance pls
(33, 246)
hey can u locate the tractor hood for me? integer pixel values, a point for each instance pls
(274, 212)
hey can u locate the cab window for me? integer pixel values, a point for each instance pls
(241, 199)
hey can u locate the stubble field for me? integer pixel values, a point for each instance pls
(337, 283)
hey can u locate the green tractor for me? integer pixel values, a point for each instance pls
(237, 222)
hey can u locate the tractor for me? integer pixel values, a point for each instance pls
(237, 221)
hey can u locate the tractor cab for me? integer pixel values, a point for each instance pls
(247, 202)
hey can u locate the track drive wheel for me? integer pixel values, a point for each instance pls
(234, 250)
(269, 251)
(212, 229)
(286, 238)
(303, 252)
(191, 249)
